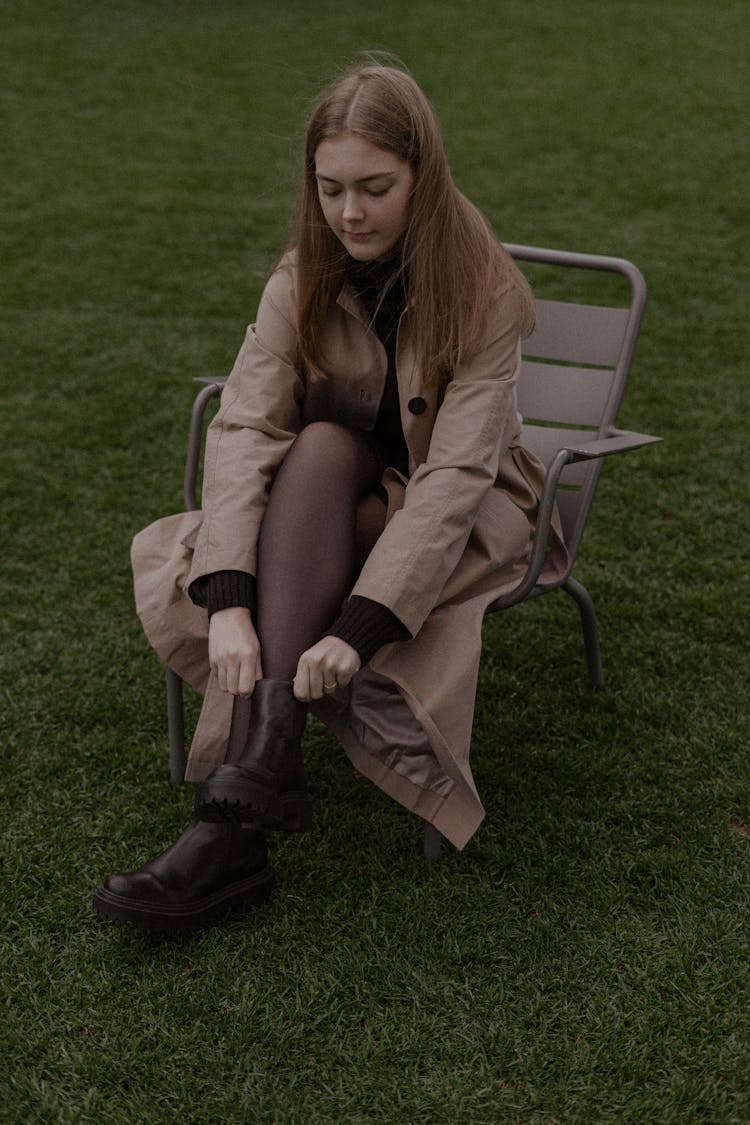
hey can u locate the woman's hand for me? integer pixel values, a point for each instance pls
(234, 650)
(329, 664)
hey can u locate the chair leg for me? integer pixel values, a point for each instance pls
(432, 842)
(175, 727)
(590, 633)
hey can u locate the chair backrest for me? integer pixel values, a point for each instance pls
(575, 367)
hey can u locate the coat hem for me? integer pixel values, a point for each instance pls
(456, 816)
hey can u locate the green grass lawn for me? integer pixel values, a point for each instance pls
(587, 957)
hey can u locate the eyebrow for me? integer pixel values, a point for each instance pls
(363, 180)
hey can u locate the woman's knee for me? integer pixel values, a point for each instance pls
(326, 442)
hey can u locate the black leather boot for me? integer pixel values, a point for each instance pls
(208, 870)
(267, 785)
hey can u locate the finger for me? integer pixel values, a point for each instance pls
(339, 669)
(317, 680)
(330, 678)
(233, 678)
(302, 683)
(346, 675)
(246, 676)
(311, 674)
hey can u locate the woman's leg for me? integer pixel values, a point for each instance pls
(370, 522)
(321, 520)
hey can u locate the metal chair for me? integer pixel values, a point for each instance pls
(574, 371)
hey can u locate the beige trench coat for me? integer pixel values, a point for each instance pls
(457, 536)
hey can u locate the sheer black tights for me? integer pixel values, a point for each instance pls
(322, 521)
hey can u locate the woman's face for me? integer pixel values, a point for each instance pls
(365, 193)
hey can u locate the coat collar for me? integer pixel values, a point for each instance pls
(349, 301)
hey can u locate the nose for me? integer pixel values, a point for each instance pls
(353, 210)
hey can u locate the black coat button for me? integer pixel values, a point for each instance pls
(417, 405)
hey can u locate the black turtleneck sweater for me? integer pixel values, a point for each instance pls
(364, 624)
(384, 303)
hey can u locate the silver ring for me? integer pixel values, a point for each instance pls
(329, 687)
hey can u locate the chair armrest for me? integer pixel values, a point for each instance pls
(619, 441)
(208, 380)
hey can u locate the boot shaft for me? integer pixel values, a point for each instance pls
(277, 724)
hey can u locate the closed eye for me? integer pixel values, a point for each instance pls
(331, 193)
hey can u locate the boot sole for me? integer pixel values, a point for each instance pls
(241, 895)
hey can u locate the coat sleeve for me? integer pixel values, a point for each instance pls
(258, 419)
(425, 539)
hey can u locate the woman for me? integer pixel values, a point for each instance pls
(365, 498)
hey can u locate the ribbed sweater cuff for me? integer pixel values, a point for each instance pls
(367, 626)
(224, 589)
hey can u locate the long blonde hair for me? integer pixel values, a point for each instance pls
(454, 267)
